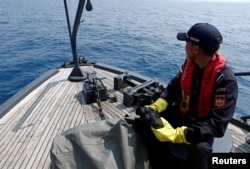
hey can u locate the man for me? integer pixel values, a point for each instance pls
(197, 104)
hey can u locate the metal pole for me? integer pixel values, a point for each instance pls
(76, 74)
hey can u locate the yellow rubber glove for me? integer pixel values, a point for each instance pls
(169, 134)
(159, 105)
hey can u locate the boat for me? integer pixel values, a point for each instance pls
(82, 93)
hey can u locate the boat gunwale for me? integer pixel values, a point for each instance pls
(135, 76)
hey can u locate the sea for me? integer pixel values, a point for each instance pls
(137, 35)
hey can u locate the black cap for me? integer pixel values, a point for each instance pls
(203, 34)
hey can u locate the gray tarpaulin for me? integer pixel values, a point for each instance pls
(108, 144)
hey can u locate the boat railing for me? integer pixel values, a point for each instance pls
(241, 121)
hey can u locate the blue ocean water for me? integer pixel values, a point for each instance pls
(139, 35)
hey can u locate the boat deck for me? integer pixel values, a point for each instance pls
(28, 129)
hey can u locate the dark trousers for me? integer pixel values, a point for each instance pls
(164, 155)
(198, 155)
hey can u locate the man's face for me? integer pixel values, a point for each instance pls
(192, 50)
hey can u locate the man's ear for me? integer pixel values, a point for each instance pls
(197, 49)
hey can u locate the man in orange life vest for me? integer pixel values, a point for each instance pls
(196, 105)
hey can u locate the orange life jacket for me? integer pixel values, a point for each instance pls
(207, 85)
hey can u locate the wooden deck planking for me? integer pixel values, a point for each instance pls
(37, 118)
(14, 146)
(58, 116)
(27, 131)
(22, 131)
(52, 129)
(59, 127)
